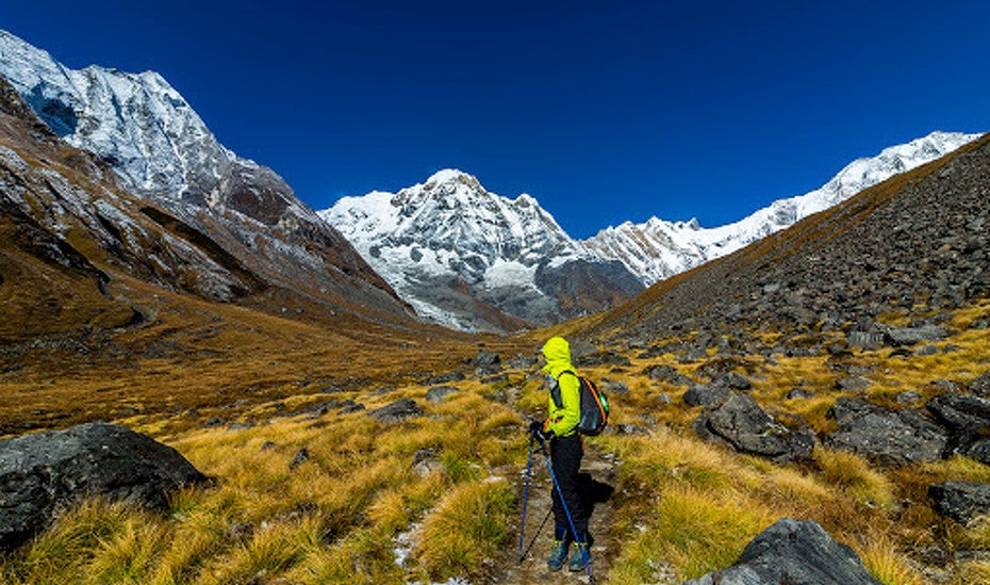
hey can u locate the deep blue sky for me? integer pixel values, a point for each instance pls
(603, 111)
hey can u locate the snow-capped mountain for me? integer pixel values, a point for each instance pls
(472, 259)
(161, 150)
(657, 249)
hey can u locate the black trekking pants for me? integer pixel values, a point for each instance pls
(565, 457)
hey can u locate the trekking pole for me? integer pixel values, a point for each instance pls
(522, 521)
(567, 512)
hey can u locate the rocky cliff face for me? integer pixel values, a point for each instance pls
(658, 249)
(160, 150)
(449, 247)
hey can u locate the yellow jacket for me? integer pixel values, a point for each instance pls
(563, 419)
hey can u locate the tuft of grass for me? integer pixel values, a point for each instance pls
(886, 564)
(854, 476)
(469, 525)
(693, 532)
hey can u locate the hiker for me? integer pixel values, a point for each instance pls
(566, 450)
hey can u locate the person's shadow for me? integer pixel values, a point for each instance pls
(592, 492)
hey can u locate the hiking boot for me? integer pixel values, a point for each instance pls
(577, 559)
(558, 555)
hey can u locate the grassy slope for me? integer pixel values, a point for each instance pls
(682, 507)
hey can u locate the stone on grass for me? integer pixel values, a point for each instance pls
(913, 335)
(733, 380)
(885, 436)
(396, 411)
(438, 393)
(665, 373)
(702, 395)
(43, 472)
(981, 385)
(961, 413)
(740, 422)
(793, 552)
(960, 500)
(852, 384)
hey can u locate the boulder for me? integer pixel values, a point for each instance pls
(978, 450)
(887, 437)
(981, 385)
(798, 393)
(865, 339)
(40, 473)
(665, 373)
(960, 500)
(486, 363)
(396, 411)
(740, 422)
(913, 335)
(438, 393)
(796, 553)
(961, 413)
(351, 406)
(852, 384)
(702, 395)
(733, 380)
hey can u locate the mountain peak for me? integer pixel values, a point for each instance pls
(450, 175)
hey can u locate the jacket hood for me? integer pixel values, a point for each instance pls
(558, 354)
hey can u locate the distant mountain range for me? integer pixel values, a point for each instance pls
(457, 253)
(448, 243)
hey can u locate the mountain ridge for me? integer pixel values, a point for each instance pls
(161, 150)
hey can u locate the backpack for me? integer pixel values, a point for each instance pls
(594, 405)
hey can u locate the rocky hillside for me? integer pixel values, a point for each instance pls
(915, 240)
(161, 151)
(658, 249)
(475, 260)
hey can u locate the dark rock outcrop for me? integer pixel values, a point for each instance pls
(487, 363)
(912, 335)
(396, 411)
(740, 422)
(981, 385)
(733, 380)
(960, 500)
(40, 473)
(961, 413)
(887, 437)
(793, 552)
(702, 395)
(865, 339)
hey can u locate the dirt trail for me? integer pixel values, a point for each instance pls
(599, 478)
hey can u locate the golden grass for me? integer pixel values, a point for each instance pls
(681, 504)
(468, 527)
